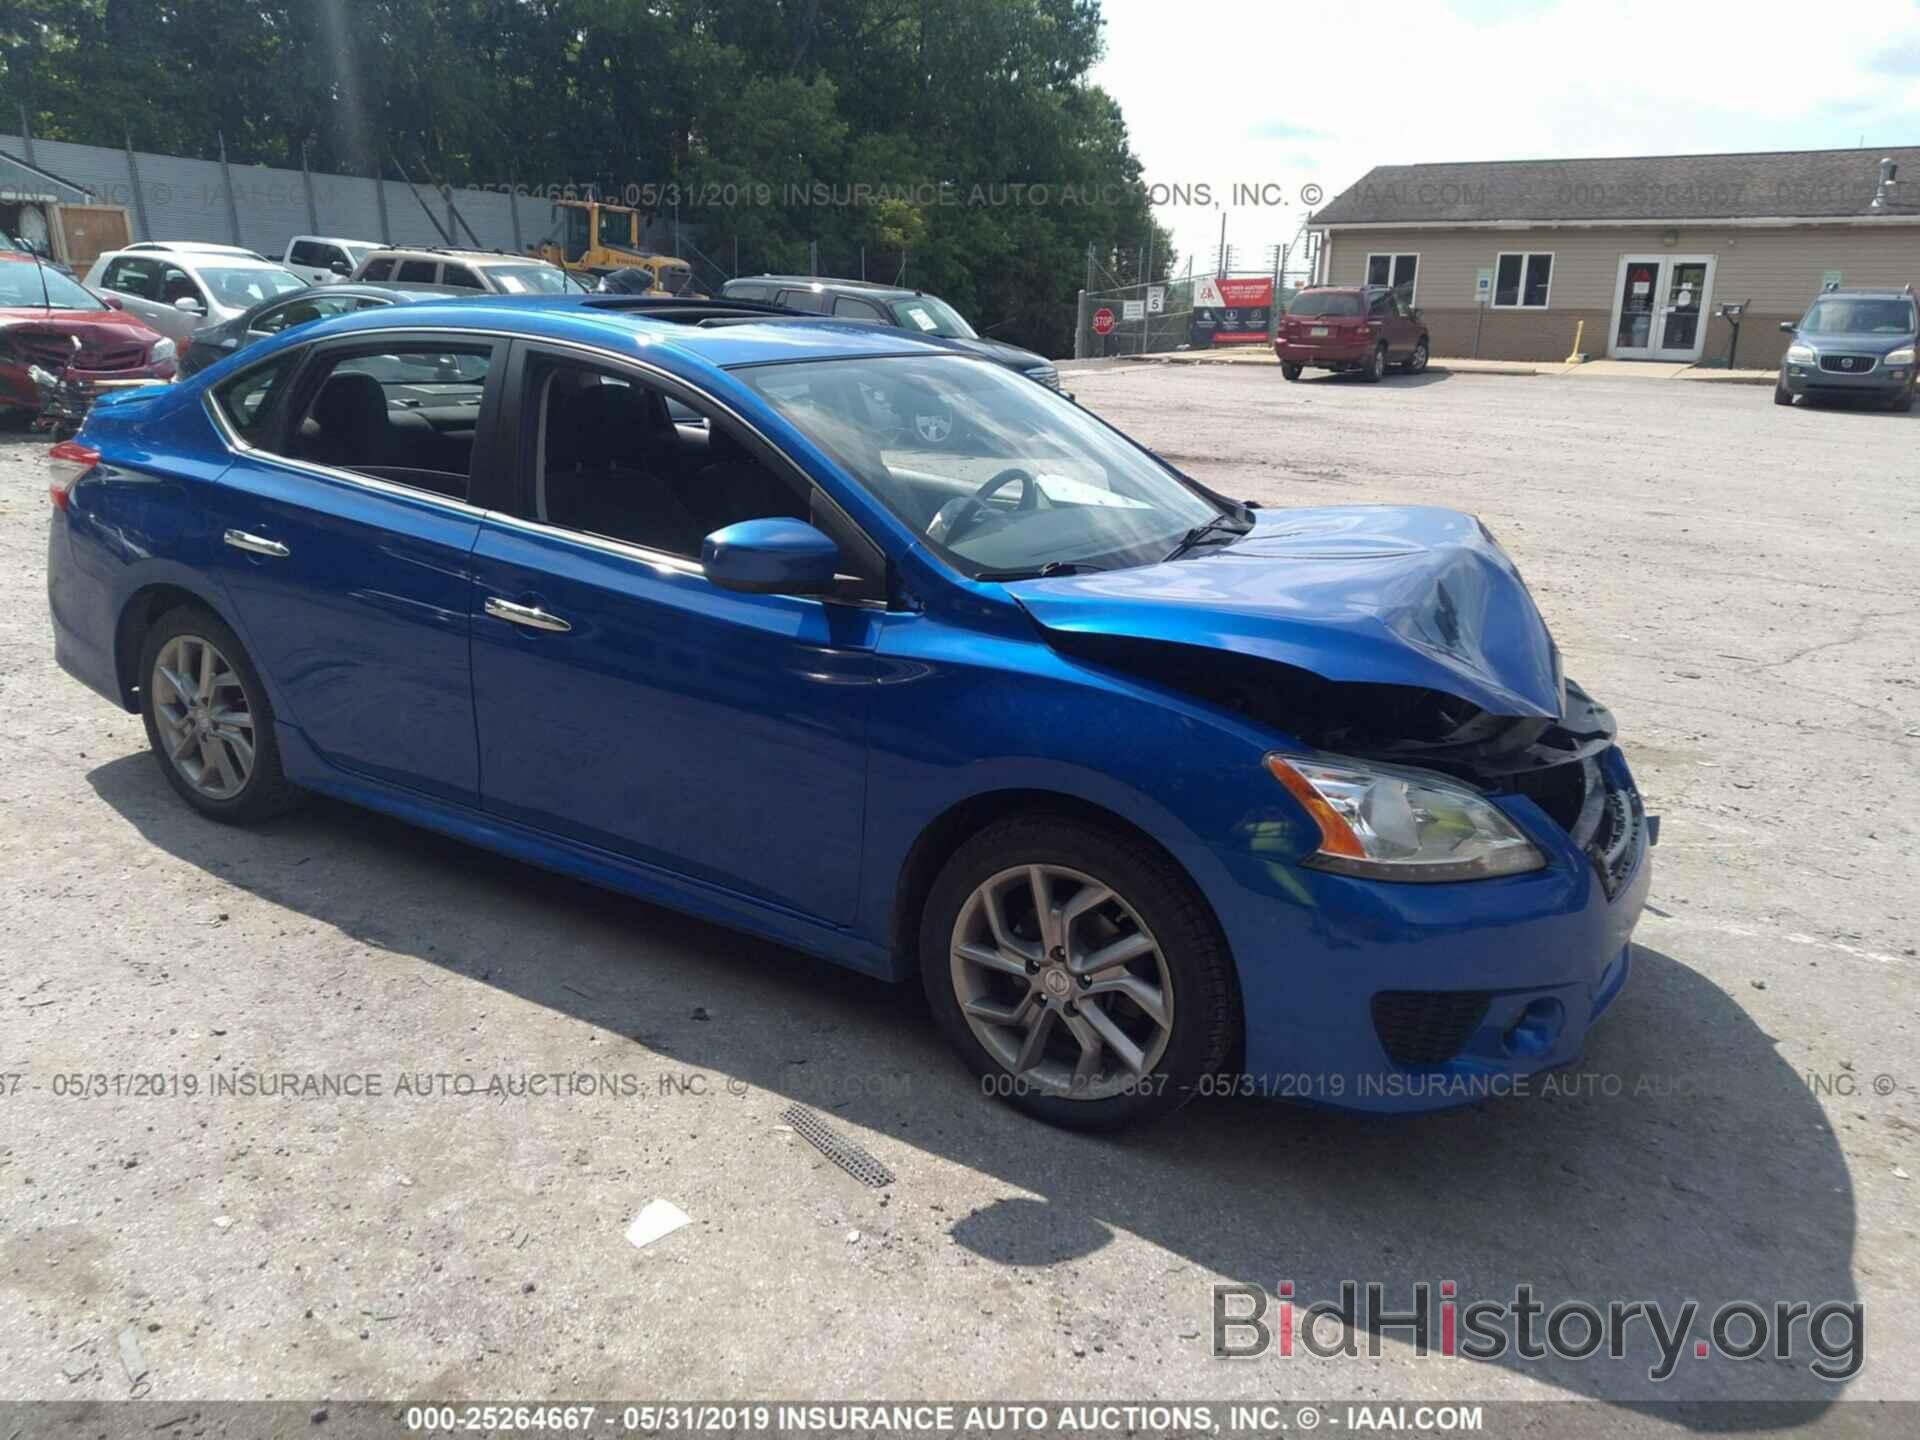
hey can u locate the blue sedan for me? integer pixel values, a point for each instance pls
(834, 635)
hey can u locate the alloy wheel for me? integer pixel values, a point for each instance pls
(1419, 361)
(1061, 982)
(206, 726)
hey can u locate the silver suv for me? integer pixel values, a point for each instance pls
(489, 272)
(1853, 343)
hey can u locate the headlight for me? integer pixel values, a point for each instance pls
(163, 349)
(1389, 824)
(1799, 354)
(1901, 357)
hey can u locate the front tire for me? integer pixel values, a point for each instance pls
(1291, 369)
(208, 719)
(1377, 366)
(1901, 403)
(1782, 395)
(1078, 973)
(1417, 361)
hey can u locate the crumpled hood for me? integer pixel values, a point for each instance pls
(1375, 594)
(1000, 352)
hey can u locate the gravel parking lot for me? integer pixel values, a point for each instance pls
(1737, 581)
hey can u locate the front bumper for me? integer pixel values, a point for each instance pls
(1880, 380)
(1398, 997)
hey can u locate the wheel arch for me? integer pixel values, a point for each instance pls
(142, 608)
(964, 819)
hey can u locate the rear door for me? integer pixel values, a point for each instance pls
(623, 700)
(135, 281)
(350, 515)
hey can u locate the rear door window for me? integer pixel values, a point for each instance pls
(812, 300)
(406, 413)
(419, 272)
(1311, 303)
(379, 269)
(305, 252)
(846, 307)
(247, 401)
(131, 275)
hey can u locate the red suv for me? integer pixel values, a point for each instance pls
(1351, 327)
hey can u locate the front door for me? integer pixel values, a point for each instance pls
(621, 698)
(1660, 307)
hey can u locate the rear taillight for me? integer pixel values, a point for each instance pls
(66, 463)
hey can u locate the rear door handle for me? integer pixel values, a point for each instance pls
(531, 616)
(256, 545)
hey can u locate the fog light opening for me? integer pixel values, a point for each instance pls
(1536, 1029)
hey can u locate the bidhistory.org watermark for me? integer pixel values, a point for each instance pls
(1435, 1320)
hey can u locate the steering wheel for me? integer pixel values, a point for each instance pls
(956, 517)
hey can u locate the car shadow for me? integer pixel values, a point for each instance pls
(1395, 378)
(1682, 1159)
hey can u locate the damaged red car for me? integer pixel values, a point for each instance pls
(44, 313)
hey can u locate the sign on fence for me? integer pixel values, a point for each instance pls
(1231, 311)
(1133, 310)
(1156, 299)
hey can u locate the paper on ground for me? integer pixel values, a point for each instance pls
(658, 1218)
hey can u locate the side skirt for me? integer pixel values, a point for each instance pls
(582, 862)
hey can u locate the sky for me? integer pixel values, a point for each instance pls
(1255, 92)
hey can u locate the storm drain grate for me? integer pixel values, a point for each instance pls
(844, 1153)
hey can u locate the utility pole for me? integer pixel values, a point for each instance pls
(1223, 244)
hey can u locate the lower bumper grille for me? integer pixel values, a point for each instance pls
(1427, 1027)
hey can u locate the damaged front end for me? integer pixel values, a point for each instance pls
(1401, 636)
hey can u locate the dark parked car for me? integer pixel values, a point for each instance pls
(1852, 344)
(629, 281)
(1351, 327)
(288, 312)
(872, 304)
(1149, 788)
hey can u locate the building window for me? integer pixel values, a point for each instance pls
(1521, 281)
(1399, 271)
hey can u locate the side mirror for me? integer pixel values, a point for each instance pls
(1786, 327)
(340, 267)
(113, 302)
(770, 557)
(190, 305)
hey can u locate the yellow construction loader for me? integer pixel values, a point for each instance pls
(593, 239)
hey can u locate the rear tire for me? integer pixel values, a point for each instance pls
(1171, 1003)
(209, 721)
(1376, 367)
(1291, 369)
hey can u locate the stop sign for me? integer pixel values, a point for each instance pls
(1103, 321)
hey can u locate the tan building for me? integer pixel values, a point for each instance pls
(1507, 259)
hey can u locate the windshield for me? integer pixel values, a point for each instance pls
(1325, 302)
(20, 283)
(996, 473)
(931, 316)
(1838, 316)
(242, 289)
(529, 279)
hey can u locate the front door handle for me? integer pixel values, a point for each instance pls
(531, 616)
(256, 545)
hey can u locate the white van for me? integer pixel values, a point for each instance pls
(323, 259)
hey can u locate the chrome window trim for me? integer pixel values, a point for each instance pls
(659, 559)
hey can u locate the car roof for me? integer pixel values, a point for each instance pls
(827, 282)
(198, 255)
(447, 252)
(636, 325)
(1870, 292)
(337, 240)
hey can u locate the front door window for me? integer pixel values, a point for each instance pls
(1637, 303)
(1685, 293)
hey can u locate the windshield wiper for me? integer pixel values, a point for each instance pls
(1225, 524)
(1042, 572)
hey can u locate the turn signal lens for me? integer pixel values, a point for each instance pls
(1384, 823)
(66, 463)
